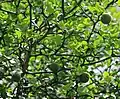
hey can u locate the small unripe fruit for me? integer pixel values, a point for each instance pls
(83, 78)
(16, 76)
(54, 67)
(101, 97)
(106, 18)
(1, 73)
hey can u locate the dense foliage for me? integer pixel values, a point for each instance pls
(51, 49)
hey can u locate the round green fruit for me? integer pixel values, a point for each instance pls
(16, 76)
(1, 72)
(101, 97)
(106, 18)
(54, 67)
(83, 78)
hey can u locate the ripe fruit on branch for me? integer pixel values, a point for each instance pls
(106, 18)
(16, 76)
(83, 78)
(54, 67)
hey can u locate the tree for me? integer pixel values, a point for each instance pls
(69, 34)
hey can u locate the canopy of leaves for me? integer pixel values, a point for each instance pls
(69, 33)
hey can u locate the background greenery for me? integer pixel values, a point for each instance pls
(36, 33)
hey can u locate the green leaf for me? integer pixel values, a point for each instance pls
(61, 24)
(18, 33)
(118, 2)
(58, 39)
(107, 76)
(50, 8)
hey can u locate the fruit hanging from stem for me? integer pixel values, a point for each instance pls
(83, 78)
(16, 76)
(106, 18)
(54, 67)
(1, 72)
